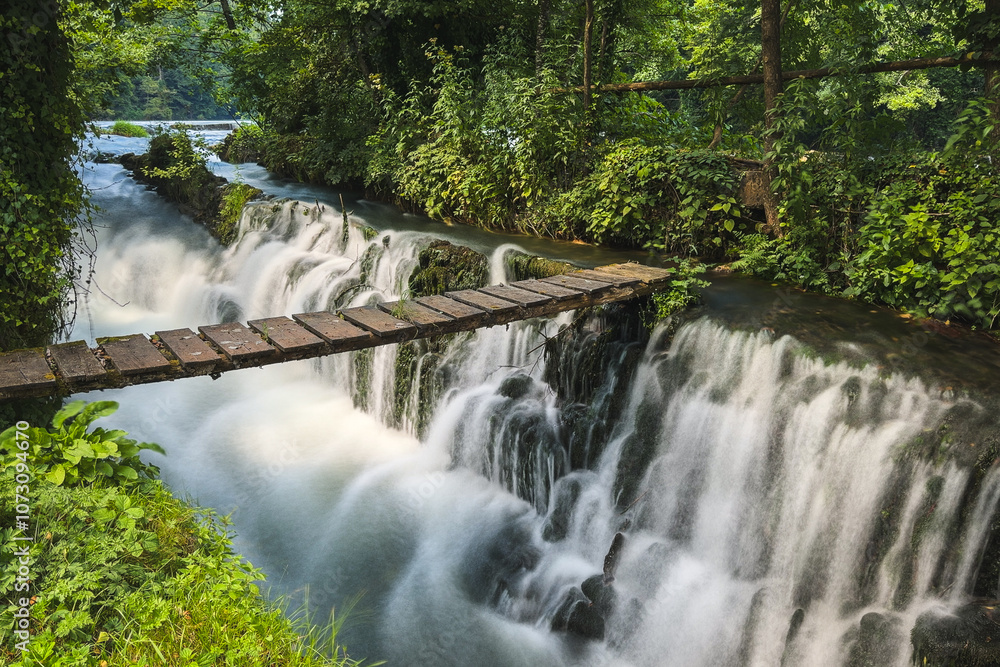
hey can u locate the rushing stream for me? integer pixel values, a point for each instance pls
(770, 494)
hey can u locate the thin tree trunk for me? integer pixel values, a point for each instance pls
(719, 126)
(588, 55)
(541, 30)
(227, 14)
(770, 23)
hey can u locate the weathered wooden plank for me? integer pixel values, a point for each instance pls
(580, 284)
(193, 353)
(426, 319)
(646, 274)
(341, 335)
(286, 335)
(133, 354)
(457, 309)
(521, 297)
(610, 278)
(27, 373)
(76, 363)
(487, 302)
(557, 292)
(380, 323)
(24, 370)
(237, 342)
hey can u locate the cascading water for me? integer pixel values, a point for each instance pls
(767, 500)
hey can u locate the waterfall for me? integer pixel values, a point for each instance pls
(768, 499)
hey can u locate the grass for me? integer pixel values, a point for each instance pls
(123, 573)
(126, 129)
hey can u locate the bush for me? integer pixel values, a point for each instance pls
(126, 129)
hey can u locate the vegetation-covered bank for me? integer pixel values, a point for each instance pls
(884, 182)
(177, 170)
(116, 571)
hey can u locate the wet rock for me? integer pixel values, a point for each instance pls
(445, 267)
(793, 631)
(601, 595)
(516, 386)
(614, 556)
(878, 640)
(585, 621)
(969, 637)
(578, 616)
(561, 513)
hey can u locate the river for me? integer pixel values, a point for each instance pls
(774, 463)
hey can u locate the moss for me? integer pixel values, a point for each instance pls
(962, 639)
(521, 266)
(362, 362)
(235, 196)
(445, 267)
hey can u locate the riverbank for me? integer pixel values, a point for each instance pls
(914, 231)
(106, 567)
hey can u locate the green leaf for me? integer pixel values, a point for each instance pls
(68, 410)
(57, 475)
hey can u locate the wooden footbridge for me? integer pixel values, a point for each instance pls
(168, 355)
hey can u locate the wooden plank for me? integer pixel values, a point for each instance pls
(457, 309)
(487, 302)
(23, 370)
(521, 297)
(426, 319)
(286, 335)
(557, 292)
(133, 354)
(580, 284)
(237, 342)
(646, 274)
(339, 334)
(610, 278)
(190, 350)
(76, 363)
(380, 323)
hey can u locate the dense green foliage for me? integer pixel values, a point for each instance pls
(460, 115)
(122, 572)
(40, 196)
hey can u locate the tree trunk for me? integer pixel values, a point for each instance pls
(227, 13)
(588, 54)
(540, 31)
(770, 23)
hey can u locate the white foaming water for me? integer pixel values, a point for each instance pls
(763, 473)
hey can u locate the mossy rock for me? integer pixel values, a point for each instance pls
(445, 267)
(969, 637)
(521, 266)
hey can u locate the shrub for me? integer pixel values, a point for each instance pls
(126, 129)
